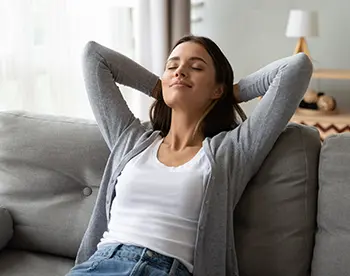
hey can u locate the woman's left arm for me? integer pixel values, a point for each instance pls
(282, 84)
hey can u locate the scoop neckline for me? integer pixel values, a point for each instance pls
(193, 160)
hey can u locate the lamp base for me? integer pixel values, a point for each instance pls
(302, 47)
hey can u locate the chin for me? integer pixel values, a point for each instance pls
(172, 98)
(171, 103)
(175, 102)
(177, 98)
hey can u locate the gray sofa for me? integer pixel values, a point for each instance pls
(293, 219)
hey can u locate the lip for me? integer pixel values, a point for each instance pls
(180, 83)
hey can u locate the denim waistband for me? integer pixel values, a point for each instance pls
(135, 253)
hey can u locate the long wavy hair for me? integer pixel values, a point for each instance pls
(223, 114)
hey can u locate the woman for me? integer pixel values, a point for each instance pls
(180, 178)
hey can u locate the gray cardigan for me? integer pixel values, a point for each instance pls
(235, 156)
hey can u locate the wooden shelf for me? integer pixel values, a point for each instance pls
(339, 74)
(338, 117)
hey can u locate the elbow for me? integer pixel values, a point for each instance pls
(90, 49)
(305, 64)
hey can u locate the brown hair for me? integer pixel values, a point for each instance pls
(221, 114)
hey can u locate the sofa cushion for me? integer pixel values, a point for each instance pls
(332, 248)
(6, 228)
(50, 171)
(275, 219)
(24, 263)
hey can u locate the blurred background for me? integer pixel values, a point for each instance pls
(41, 43)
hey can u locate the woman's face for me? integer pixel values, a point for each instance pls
(188, 82)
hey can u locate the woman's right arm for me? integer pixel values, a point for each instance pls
(102, 69)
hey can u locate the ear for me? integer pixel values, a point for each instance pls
(218, 92)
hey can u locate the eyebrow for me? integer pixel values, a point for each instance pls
(191, 58)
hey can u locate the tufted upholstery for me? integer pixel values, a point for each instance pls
(50, 171)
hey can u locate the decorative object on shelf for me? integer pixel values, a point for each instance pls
(326, 102)
(310, 96)
(310, 100)
(302, 24)
(317, 102)
(327, 122)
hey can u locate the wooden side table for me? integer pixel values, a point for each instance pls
(336, 74)
(327, 124)
(330, 123)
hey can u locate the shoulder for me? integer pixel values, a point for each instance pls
(147, 125)
(222, 146)
(136, 134)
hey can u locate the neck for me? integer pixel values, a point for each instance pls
(181, 132)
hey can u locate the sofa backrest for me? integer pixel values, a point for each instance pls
(332, 248)
(275, 220)
(50, 171)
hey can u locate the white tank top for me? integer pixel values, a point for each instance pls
(157, 206)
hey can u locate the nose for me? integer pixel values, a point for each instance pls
(180, 72)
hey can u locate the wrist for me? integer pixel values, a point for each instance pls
(157, 90)
(236, 93)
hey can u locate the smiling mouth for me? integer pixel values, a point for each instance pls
(181, 85)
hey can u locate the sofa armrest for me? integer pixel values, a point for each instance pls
(6, 227)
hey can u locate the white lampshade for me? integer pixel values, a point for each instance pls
(302, 24)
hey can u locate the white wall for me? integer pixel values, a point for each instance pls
(252, 34)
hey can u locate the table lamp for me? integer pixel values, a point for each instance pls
(302, 24)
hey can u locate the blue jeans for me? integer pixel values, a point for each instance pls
(125, 260)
